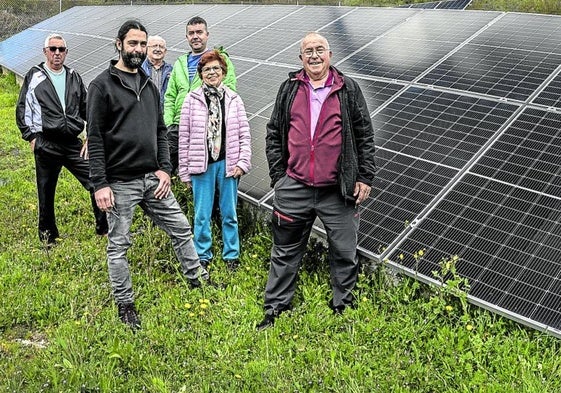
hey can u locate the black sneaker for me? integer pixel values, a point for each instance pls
(195, 283)
(340, 309)
(267, 322)
(232, 264)
(128, 315)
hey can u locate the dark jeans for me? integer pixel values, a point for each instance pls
(295, 208)
(50, 157)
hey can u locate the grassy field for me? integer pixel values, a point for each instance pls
(59, 330)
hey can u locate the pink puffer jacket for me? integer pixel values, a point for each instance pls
(193, 152)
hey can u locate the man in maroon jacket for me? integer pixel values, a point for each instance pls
(320, 150)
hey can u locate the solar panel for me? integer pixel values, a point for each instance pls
(424, 139)
(511, 58)
(255, 185)
(466, 110)
(408, 49)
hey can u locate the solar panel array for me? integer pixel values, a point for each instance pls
(467, 112)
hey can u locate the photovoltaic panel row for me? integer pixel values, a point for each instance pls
(510, 59)
(454, 4)
(408, 50)
(502, 223)
(505, 241)
(424, 138)
(347, 32)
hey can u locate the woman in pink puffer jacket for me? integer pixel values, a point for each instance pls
(214, 152)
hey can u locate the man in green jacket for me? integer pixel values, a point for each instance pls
(184, 79)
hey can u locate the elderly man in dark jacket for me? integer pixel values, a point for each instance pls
(50, 114)
(320, 150)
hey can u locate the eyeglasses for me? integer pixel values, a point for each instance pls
(157, 46)
(310, 52)
(209, 70)
(53, 49)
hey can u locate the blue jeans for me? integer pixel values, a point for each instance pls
(166, 213)
(205, 186)
(295, 208)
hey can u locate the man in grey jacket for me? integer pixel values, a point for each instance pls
(50, 114)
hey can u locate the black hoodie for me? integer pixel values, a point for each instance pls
(127, 137)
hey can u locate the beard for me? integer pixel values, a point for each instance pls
(133, 59)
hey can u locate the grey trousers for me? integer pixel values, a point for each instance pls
(295, 208)
(166, 213)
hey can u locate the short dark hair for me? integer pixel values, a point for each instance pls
(197, 20)
(209, 56)
(127, 26)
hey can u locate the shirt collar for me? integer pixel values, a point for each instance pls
(328, 81)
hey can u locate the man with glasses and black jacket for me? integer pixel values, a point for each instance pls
(50, 114)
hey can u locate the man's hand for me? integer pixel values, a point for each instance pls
(32, 145)
(105, 199)
(362, 192)
(165, 185)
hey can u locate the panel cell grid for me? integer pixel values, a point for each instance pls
(404, 186)
(550, 96)
(255, 184)
(523, 32)
(501, 72)
(444, 128)
(528, 154)
(259, 87)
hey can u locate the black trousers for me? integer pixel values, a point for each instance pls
(50, 157)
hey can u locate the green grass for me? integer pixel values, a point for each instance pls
(534, 6)
(59, 330)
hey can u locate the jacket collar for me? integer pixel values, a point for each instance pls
(336, 75)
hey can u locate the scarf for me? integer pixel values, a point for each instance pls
(214, 125)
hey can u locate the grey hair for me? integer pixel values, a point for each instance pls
(313, 33)
(157, 37)
(54, 35)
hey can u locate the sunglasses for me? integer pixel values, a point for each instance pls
(54, 48)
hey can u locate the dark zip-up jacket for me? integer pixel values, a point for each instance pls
(39, 109)
(127, 137)
(355, 162)
(166, 73)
